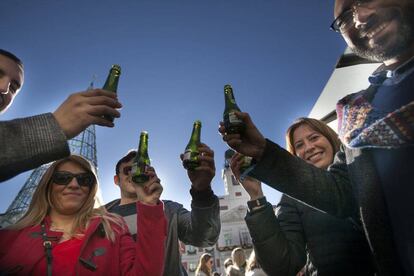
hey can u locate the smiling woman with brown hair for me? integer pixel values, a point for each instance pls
(63, 232)
(335, 246)
(322, 130)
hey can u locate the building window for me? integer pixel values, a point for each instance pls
(234, 181)
(223, 208)
(245, 238)
(238, 194)
(227, 163)
(191, 249)
(227, 239)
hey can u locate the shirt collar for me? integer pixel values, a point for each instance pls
(382, 74)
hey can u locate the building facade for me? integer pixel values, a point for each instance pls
(234, 232)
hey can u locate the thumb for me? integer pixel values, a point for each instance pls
(245, 117)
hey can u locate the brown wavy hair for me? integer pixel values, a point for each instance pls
(316, 125)
(239, 258)
(41, 203)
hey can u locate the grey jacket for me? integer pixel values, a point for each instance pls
(200, 227)
(349, 188)
(30, 142)
(336, 246)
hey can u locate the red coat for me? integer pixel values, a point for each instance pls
(21, 250)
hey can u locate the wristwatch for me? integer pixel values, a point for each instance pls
(256, 203)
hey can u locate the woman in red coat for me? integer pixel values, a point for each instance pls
(63, 234)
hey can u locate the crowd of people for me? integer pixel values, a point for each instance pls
(236, 265)
(345, 205)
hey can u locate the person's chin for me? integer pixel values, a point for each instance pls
(387, 44)
(319, 163)
(131, 194)
(70, 210)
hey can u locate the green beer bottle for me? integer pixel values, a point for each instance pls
(141, 161)
(191, 153)
(247, 161)
(111, 84)
(231, 122)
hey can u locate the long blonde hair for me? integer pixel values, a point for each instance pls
(252, 262)
(238, 257)
(202, 264)
(41, 203)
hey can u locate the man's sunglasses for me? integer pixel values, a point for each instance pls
(64, 178)
(127, 170)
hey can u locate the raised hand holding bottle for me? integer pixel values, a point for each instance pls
(191, 153)
(111, 84)
(232, 123)
(141, 161)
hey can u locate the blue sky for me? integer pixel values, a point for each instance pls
(176, 56)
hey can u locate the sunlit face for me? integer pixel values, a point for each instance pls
(68, 199)
(380, 29)
(11, 80)
(124, 181)
(312, 147)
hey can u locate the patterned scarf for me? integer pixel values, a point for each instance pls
(362, 126)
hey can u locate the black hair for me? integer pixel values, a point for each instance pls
(131, 154)
(11, 56)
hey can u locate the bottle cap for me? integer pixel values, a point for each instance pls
(116, 67)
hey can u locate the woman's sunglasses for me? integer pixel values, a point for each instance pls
(64, 178)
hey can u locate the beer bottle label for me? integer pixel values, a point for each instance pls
(247, 162)
(233, 119)
(187, 155)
